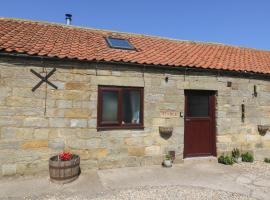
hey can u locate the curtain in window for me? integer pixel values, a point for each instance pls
(110, 106)
(131, 107)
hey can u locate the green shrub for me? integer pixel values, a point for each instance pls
(247, 157)
(267, 160)
(168, 157)
(226, 160)
(235, 153)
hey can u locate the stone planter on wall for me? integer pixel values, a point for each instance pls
(263, 129)
(165, 131)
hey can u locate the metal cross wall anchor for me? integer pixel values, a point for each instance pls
(43, 79)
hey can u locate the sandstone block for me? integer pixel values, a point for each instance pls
(89, 164)
(158, 122)
(24, 102)
(252, 138)
(35, 122)
(77, 113)
(8, 169)
(98, 153)
(57, 144)
(108, 164)
(92, 123)
(136, 151)
(76, 86)
(16, 133)
(9, 145)
(41, 133)
(68, 95)
(63, 103)
(153, 150)
(133, 141)
(93, 143)
(35, 144)
(83, 144)
(82, 123)
(5, 91)
(224, 138)
(148, 141)
(59, 122)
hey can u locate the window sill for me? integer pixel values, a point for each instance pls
(109, 128)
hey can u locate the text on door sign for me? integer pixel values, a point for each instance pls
(168, 113)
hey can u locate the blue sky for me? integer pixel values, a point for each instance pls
(237, 22)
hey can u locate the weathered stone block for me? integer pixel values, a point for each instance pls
(41, 133)
(148, 141)
(24, 102)
(133, 141)
(16, 133)
(8, 169)
(136, 151)
(5, 91)
(83, 144)
(57, 144)
(63, 103)
(158, 122)
(76, 86)
(33, 144)
(77, 113)
(153, 150)
(82, 123)
(59, 122)
(92, 123)
(224, 138)
(35, 122)
(9, 145)
(98, 153)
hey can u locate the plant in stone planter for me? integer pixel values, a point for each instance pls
(167, 161)
(247, 157)
(236, 155)
(64, 167)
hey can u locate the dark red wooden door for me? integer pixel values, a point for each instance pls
(199, 139)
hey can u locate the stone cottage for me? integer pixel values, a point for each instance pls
(108, 96)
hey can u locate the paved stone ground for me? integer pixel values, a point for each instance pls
(185, 181)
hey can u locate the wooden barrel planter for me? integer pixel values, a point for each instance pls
(64, 171)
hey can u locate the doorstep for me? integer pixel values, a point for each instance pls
(204, 159)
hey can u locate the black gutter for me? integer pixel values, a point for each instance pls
(184, 69)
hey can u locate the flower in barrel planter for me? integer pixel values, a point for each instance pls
(64, 167)
(65, 156)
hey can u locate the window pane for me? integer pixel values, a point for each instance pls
(109, 106)
(198, 106)
(119, 43)
(131, 106)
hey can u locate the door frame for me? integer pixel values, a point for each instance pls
(212, 110)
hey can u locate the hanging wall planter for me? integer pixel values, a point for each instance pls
(165, 131)
(263, 129)
(64, 168)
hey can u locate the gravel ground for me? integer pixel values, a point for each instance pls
(257, 168)
(156, 193)
(254, 176)
(173, 193)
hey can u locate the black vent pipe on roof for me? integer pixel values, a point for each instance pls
(68, 19)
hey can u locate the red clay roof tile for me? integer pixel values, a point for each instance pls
(55, 40)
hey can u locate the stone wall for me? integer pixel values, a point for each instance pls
(37, 125)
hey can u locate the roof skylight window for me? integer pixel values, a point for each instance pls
(119, 43)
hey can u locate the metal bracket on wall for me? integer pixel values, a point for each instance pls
(243, 116)
(43, 79)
